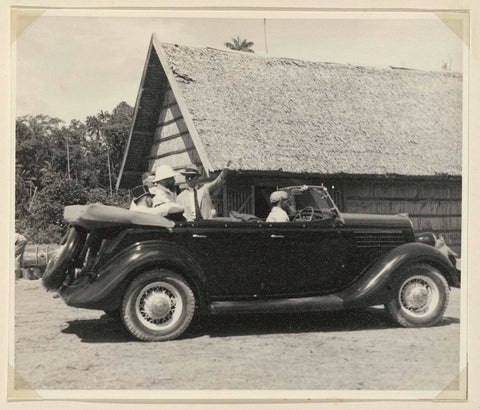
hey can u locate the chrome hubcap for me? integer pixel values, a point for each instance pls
(159, 305)
(419, 295)
(416, 295)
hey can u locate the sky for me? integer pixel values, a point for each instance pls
(72, 66)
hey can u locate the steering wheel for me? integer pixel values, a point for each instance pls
(305, 213)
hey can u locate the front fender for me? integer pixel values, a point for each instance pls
(373, 285)
(106, 289)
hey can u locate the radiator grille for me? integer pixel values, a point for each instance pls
(379, 239)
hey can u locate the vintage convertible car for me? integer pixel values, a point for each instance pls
(156, 274)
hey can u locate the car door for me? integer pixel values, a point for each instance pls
(231, 255)
(284, 258)
(303, 257)
(328, 254)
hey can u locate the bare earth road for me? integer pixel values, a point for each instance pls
(59, 347)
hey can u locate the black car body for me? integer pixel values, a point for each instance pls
(156, 273)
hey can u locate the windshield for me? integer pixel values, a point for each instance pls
(316, 197)
(311, 197)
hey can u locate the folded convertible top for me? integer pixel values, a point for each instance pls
(96, 216)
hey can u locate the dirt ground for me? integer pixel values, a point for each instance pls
(59, 347)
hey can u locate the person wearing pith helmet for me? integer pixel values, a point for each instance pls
(279, 201)
(197, 200)
(163, 189)
(163, 185)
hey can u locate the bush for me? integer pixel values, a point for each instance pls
(101, 195)
(45, 222)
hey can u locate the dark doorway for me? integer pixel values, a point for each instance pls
(262, 201)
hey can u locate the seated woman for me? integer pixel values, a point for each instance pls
(280, 207)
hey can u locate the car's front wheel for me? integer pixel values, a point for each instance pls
(420, 298)
(158, 305)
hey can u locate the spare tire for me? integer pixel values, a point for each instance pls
(59, 265)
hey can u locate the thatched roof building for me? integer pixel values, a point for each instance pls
(286, 117)
(259, 113)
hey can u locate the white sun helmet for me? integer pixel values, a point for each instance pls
(163, 172)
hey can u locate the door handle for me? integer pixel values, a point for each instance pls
(277, 236)
(195, 235)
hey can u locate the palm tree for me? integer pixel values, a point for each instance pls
(240, 45)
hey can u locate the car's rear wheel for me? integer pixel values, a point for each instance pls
(420, 298)
(158, 305)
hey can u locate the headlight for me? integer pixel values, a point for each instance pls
(428, 238)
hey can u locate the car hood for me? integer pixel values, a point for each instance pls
(376, 221)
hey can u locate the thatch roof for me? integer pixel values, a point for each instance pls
(257, 113)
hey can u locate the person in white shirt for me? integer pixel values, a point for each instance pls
(197, 200)
(163, 190)
(279, 201)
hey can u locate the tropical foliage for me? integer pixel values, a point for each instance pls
(58, 165)
(240, 45)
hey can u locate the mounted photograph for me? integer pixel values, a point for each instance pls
(265, 204)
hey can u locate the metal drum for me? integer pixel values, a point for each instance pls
(36, 257)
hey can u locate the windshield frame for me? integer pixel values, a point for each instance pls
(326, 196)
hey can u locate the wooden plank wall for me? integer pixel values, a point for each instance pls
(240, 200)
(235, 196)
(432, 206)
(172, 144)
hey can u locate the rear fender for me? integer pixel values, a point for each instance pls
(106, 289)
(373, 286)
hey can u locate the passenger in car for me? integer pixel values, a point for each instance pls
(164, 199)
(163, 185)
(197, 200)
(142, 198)
(147, 179)
(279, 201)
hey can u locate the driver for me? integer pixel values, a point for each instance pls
(280, 206)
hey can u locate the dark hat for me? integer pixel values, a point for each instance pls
(191, 169)
(140, 191)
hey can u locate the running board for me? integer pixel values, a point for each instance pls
(292, 305)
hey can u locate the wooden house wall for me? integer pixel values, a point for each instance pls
(147, 108)
(172, 144)
(238, 198)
